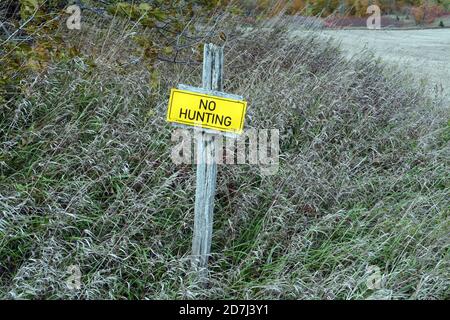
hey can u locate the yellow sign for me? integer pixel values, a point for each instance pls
(206, 111)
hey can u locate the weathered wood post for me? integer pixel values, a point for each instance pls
(216, 114)
(206, 165)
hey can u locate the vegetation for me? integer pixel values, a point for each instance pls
(86, 177)
(345, 7)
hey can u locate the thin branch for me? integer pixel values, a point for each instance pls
(178, 62)
(5, 30)
(20, 28)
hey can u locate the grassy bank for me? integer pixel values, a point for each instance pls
(87, 180)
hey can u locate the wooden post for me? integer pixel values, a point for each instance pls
(206, 165)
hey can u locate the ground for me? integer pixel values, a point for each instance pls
(424, 52)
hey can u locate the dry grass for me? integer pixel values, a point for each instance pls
(87, 180)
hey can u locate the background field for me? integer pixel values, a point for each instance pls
(424, 53)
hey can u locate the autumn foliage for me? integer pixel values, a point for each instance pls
(427, 13)
(356, 8)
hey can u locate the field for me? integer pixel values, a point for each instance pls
(424, 53)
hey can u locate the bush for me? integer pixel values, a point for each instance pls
(427, 13)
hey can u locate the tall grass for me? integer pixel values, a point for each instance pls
(87, 180)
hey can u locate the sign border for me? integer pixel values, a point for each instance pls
(195, 93)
